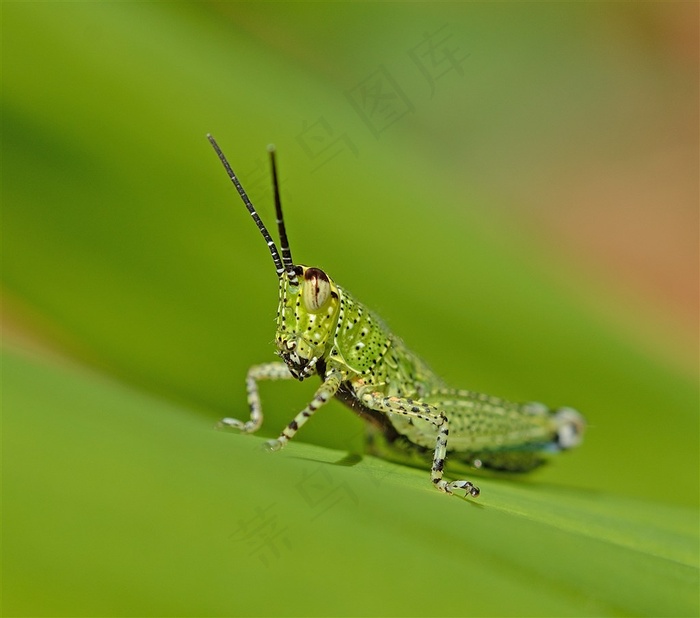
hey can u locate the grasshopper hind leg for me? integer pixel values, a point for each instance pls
(567, 427)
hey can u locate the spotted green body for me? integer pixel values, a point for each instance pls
(322, 330)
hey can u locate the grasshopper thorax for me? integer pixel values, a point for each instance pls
(306, 319)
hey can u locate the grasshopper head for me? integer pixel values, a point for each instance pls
(309, 299)
(306, 318)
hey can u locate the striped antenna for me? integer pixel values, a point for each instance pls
(251, 209)
(284, 242)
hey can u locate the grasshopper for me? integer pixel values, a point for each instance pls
(322, 330)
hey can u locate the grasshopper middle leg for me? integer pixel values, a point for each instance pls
(432, 414)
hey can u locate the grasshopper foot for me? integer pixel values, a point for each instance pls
(233, 423)
(273, 445)
(470, 489)
(450, 488)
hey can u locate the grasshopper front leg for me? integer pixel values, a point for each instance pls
(330, 386)
(432, 414)
(266, 371)
(279, 371)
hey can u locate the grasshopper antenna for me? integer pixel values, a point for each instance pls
(287, 261)
(251, 209)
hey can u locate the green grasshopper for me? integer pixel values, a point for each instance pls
(322, 330)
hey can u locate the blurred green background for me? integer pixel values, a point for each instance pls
(512, 187)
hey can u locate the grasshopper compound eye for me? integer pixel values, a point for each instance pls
(317, 289)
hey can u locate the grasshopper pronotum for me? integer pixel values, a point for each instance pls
(322, 330)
